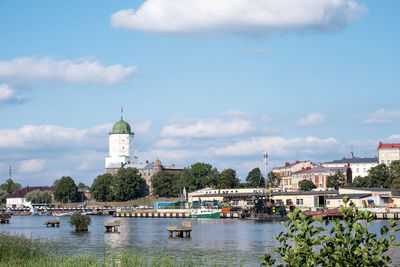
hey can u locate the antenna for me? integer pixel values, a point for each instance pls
(265, 164)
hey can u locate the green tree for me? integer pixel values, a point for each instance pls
(65, 190)
(128, 185)
(101, 189)
(335, 180)
(274, 179)
(199, 175)
(3, 196)
(255, 178)
(359, 181)
(39, 197)
(228, 179)
(306, 185)
(394, 173)
(10, 187)
(167, 184)
(378, 176)
(80, 222)
(309, 242)
(83, 186)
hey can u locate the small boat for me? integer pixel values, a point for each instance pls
(204, 212)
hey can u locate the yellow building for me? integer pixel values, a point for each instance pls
(387, 153)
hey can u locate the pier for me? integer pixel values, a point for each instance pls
(5, 218)
(53, 223)
(112, 226)
(186, 228)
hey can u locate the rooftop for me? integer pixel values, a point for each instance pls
(22, 192)
(388, 145)
(355, 160)
(351, 196)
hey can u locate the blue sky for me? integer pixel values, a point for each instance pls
(211, 81)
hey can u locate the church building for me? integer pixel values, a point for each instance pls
(121, 154)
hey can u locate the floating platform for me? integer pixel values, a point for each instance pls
(53, 223)
(179, 231)
(5, 218)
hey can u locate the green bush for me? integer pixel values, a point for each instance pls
(80, 222)
(309, 242)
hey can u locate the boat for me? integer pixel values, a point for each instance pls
(204, 212)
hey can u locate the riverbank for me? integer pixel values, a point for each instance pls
(21, 251)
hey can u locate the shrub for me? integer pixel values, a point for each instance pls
(346, 243)
(80, 222)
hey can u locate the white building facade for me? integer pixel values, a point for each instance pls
(387, 153)
(121, 148)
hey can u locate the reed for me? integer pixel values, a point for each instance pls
(18, 250)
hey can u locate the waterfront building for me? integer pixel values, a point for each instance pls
(121, 154)
(120, 144)
(358, 166)
(17, 199)
(319, 176)
(366, 197)
(389, 152)
(285, 173)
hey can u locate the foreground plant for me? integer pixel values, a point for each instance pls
(309, 242)
(80, 222)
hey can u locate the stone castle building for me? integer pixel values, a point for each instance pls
(121, 154)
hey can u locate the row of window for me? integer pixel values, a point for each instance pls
(390, 154)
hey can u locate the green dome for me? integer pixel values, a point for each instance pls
(121, 127)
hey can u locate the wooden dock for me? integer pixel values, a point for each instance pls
(53, 223)
(112, 226)
(186, 228)
(152, 214)
(5, 218)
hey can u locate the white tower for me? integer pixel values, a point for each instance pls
(120, 145)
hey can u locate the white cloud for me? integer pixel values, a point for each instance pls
(31, 70)
(279, 146)
(238, 16)
(312, 119)
(31, 165)
(209, 128)
(395, 137)
(142, 127)
(382, 116)
(6, 92)
(168, 143)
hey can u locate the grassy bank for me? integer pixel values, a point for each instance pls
(22, 251)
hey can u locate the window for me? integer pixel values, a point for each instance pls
(328, 202)
(235, 202)
(383, 162)
(388, 162)
(299, 201)
(357, 170)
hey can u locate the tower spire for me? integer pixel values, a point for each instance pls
(122, 111)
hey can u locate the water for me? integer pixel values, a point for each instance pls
(230, 241)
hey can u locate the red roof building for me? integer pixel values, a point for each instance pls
(389, 152)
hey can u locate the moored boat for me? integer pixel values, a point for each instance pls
(205, 213)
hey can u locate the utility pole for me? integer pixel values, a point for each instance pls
(266, 174)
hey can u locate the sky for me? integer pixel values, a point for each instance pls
(215, 81)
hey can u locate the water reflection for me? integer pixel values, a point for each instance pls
(237, 240)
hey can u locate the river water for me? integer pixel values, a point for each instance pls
(221, 241)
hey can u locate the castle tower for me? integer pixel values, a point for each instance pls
(120, 145)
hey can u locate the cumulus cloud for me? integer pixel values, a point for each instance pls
(279, 146)
(168, 143)
(31, 70)
(209, 128)
(31, 165)
(142, 127)
(238, 16)
(6, 92)
(395, 137)
(382, 116)
(312, 119)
